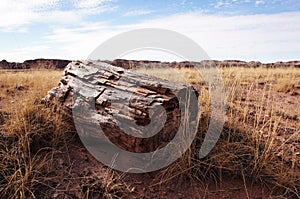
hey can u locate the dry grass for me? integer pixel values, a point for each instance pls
(31, 137)
(255, 142)
(28, 134)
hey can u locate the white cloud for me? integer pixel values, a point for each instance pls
(89, 3)
(263, 37)
(244, 37)
(222, 3)
(15, 13)
(27, 5)
(25, 53)
(28, 50)
(250, 37)
(259, 2)
(137, 13)
(183, 2)
(21, 13)
(90, 7)
(229, 3)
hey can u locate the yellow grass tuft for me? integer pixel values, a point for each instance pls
(253, 143)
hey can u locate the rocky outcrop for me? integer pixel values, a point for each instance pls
(35, 64)
(130, 64)
(137, 112)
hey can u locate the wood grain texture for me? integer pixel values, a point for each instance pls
(137, 112)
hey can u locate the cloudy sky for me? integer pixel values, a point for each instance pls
(263, 30)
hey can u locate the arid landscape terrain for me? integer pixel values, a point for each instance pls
(257, 155)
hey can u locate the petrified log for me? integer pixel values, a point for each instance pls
(136, 112)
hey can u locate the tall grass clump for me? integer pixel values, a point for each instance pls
(253, 144)
(36, 137)
(30, 132)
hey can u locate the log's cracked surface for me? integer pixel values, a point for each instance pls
(137, 112)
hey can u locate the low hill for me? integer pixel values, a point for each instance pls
(35, 64)
(131, 64)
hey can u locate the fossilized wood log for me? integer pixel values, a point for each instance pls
(137, 112)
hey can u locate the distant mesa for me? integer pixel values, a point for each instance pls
(35, 64)
(131, 64)
(60, 64)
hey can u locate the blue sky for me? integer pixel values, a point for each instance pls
(263, 30)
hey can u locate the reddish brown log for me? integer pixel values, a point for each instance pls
(137, 112)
